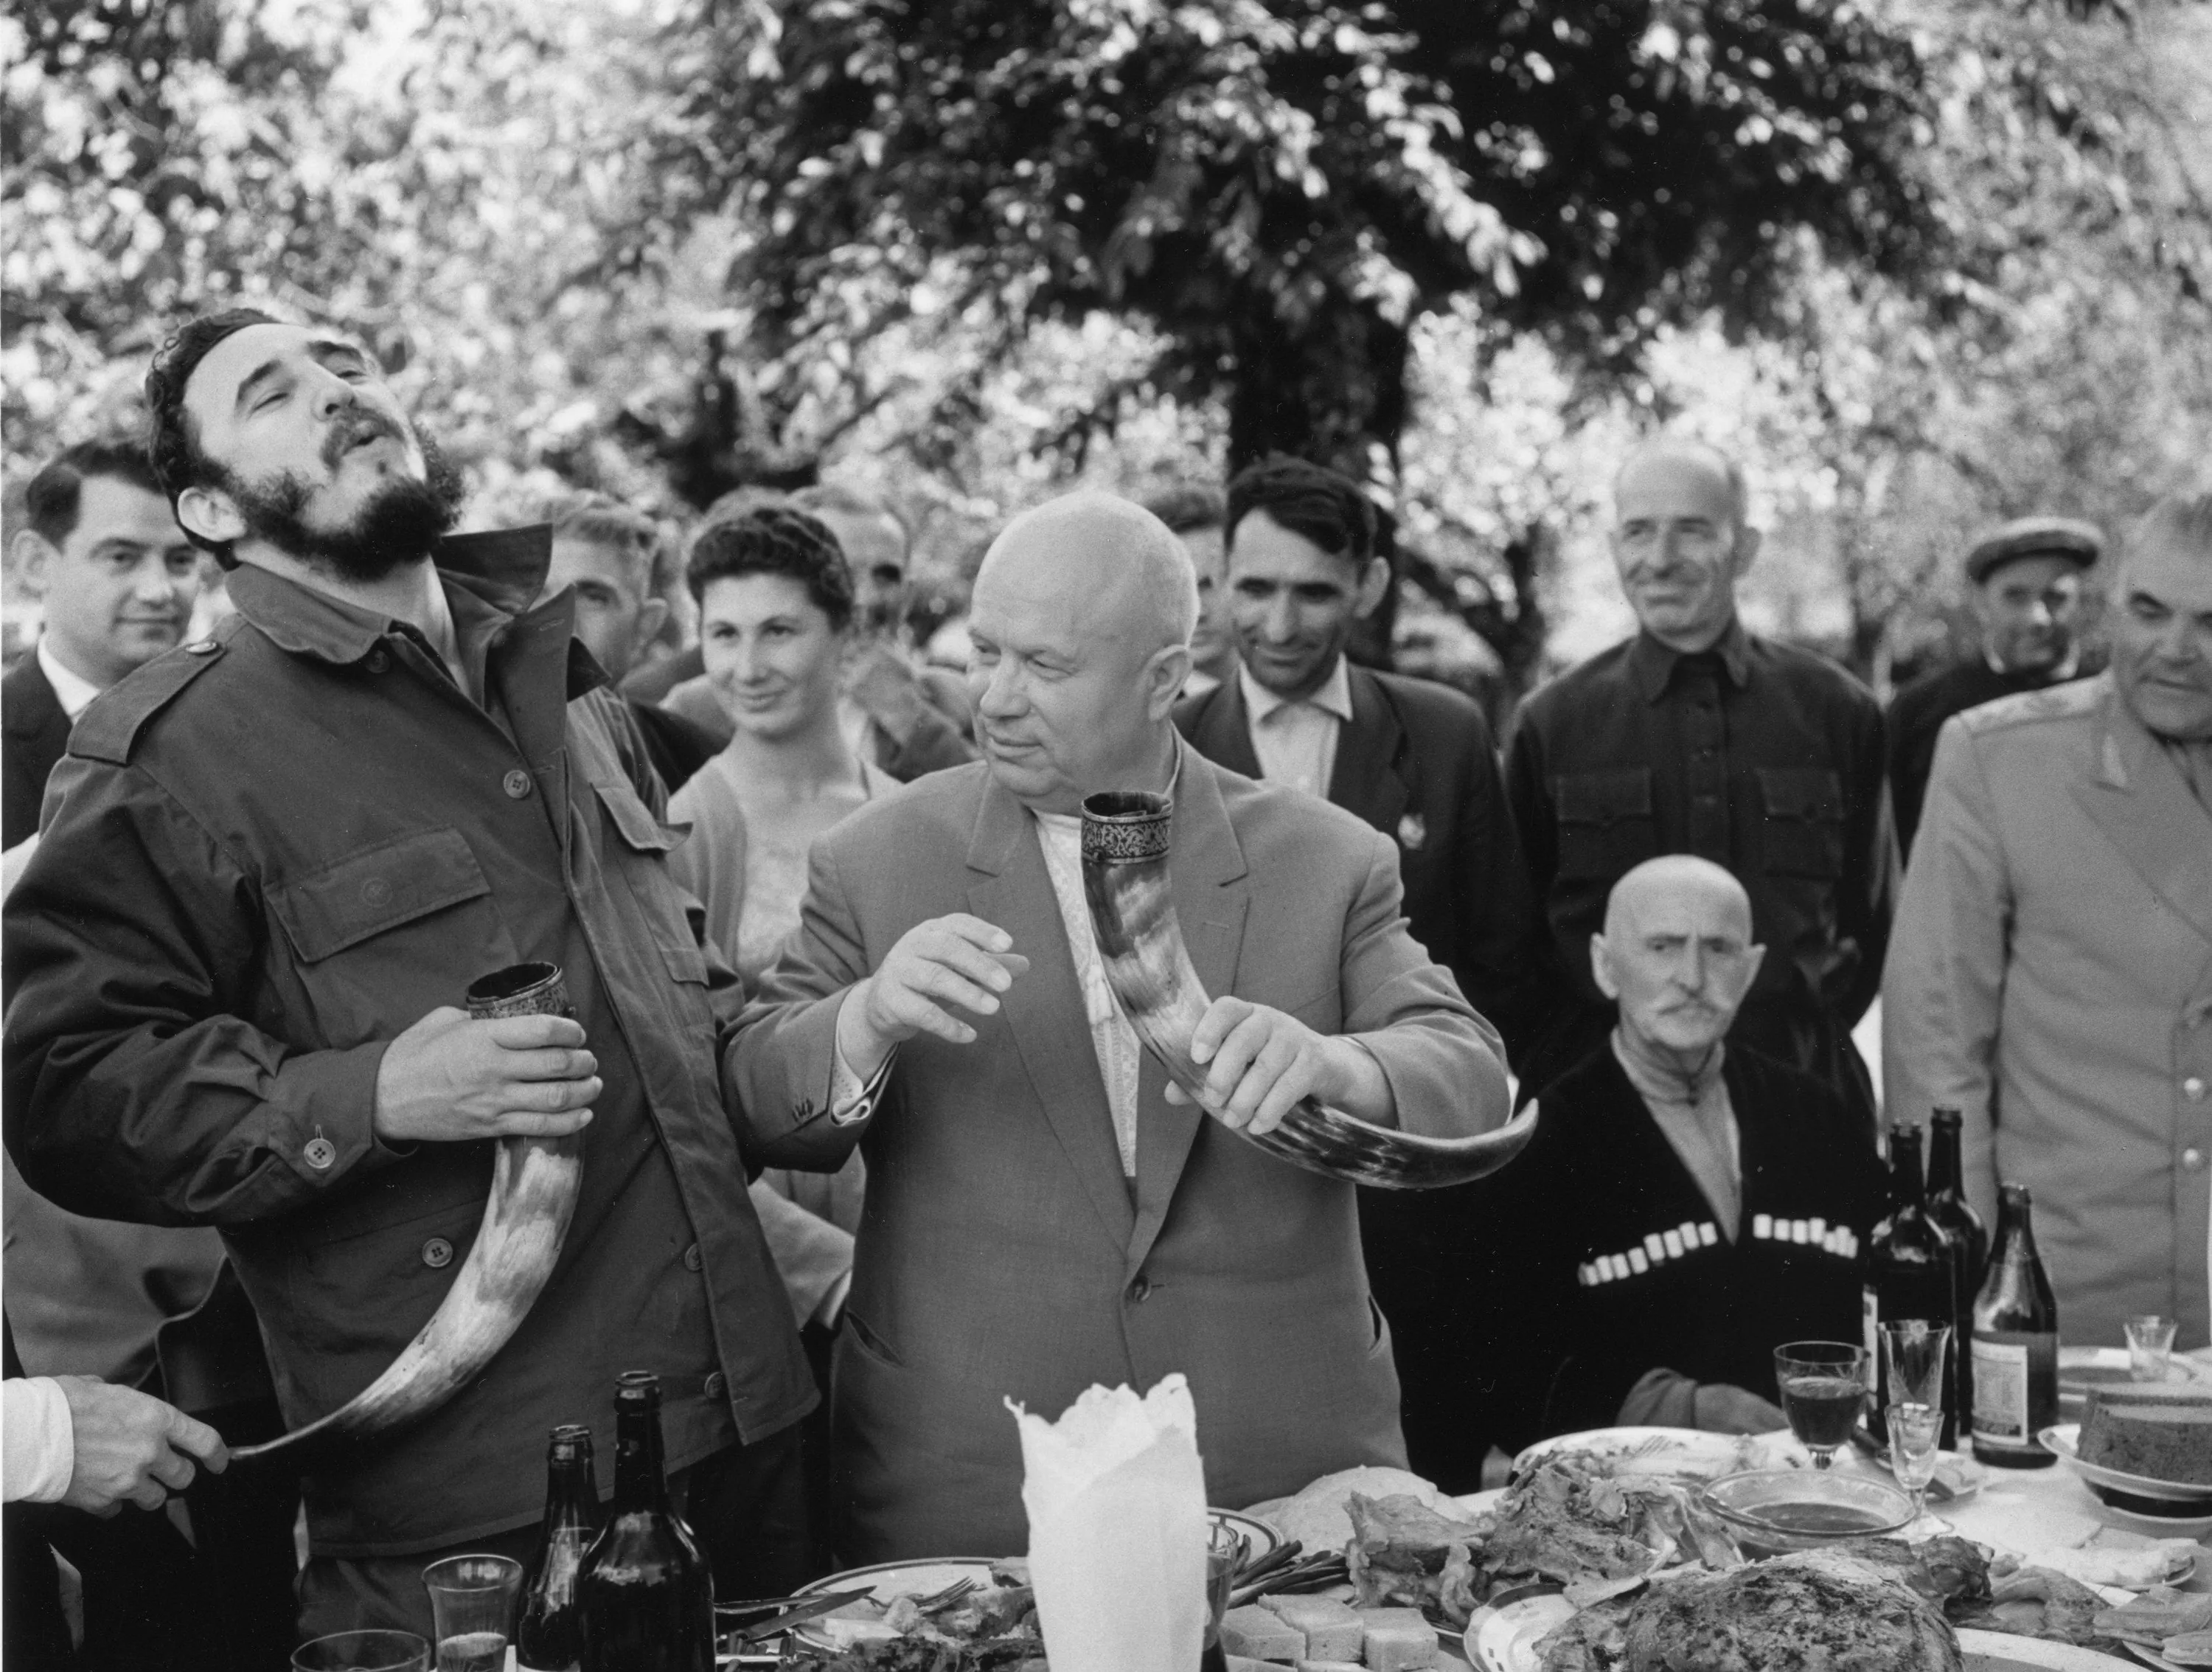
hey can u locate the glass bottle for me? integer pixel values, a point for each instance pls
(1948, 1206)
(1910, 1269)
(548, 1635)
(647, 1597)
(2015, 1344)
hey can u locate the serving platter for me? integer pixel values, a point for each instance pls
(2065, 1439)
(922, 1577)
(1681, 1453)
(1996, 1651)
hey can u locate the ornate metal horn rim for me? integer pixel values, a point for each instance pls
(1126, 836)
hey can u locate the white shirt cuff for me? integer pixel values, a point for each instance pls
(39, 1442)
(852, 1099)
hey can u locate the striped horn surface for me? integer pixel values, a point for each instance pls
(1126, 837)
(534, 1186)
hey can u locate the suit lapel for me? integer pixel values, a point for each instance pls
(1207, 878)
(1222, 729)
(1366, 780)
(2138, 799)
(1043, 1009)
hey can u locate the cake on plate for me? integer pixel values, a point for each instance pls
(2160, 1431)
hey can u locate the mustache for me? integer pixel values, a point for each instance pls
(365, 425)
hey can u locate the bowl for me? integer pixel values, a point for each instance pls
(1773, 1511)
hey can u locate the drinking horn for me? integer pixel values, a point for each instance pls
(1124, 882)
(534, 1183)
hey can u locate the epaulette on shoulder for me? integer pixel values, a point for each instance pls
(108, 730)
(2071, 701)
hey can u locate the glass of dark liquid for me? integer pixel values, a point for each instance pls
(1823, 1386)
(472, 1601)
(1225, 1554)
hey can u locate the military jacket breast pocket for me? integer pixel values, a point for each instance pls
(1606, 825)
(389, 933)
(639, 854)
(1802, 821)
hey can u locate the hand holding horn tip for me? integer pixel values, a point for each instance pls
(1124, 882)
(534, 1186)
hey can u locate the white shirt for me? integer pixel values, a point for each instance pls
(73, 693)
(1113, 1041)
(1295, 738)
(38, 1442)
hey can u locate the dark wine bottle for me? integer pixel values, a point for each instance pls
(548, 1635)
(647, 1597)
(2015, 1344)
(1948, 1206)
(1911, 1269)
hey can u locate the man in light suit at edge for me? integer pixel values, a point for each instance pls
(2051, 972)
(1044, 1212)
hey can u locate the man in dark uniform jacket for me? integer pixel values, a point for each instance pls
(116, 580)
(2026, 578)
(278, 859)
(1697, 736)
(1687, 1205)
(1414, 760)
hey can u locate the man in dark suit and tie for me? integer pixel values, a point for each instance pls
(115, 578)
(1044, 1214)
(1415, 760)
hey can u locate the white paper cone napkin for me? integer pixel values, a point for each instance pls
(1116, 1501)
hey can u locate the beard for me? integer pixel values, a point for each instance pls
(397, 524)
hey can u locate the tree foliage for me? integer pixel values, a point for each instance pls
(1281, 188)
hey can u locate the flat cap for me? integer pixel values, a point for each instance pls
(2034, 537)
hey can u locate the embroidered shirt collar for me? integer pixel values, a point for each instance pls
(1334, 697)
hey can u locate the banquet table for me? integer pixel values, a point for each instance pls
(2019, 1510)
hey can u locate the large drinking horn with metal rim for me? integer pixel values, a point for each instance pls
(534, 1182)
(1125, 880)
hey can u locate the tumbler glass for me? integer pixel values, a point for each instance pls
(1225, 1554)
(472, 1601)
(363, 1651)
(2150, 1347)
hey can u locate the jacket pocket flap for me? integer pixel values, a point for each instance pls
(377, 888)
(1801, 792)
(634, 819)
(686, 963)
(1602, 798)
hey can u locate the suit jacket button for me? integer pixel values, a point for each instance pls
(378, 660)
(692, 1258)
(319, 1153)
(437, 1254)
(717, 1384)
(516, 783)
(1140, 1288)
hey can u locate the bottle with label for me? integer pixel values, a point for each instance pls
(2015, 1344)
(548, 1634)
(1910, 1269)
(647, 1597)
(1948, 1206)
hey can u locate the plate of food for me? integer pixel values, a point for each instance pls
(1679, 1454)
(968, 1604)
(1505, 1638)
(2163, 1627)
(2095, 1460)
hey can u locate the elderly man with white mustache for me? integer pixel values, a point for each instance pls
(1687, 1205)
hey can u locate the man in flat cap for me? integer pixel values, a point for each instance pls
(2050, 976)
(2026, 589)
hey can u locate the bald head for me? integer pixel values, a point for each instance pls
(1681, 541)
(1676, 954)
(1687, 455)
(1081, 621)
(1134, 579)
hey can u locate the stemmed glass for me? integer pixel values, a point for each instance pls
(1823, 1384)
(1914, 1352)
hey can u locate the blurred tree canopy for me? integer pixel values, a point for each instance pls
(1920, 263)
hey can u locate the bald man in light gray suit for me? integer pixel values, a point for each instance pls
(1045, 1210)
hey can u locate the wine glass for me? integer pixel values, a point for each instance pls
(1823, 1384)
